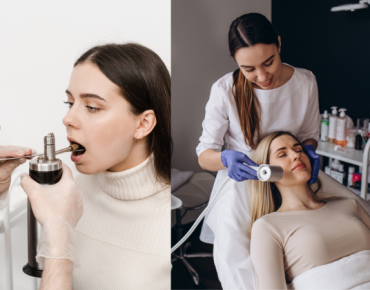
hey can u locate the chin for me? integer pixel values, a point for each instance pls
(86, 170)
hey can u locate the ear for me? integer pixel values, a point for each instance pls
(147, 121)
(279, 38)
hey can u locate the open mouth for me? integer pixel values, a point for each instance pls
(81, 149)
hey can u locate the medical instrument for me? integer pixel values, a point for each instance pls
(73, 147)
(46, 170)
(351, 7)
(265, 172)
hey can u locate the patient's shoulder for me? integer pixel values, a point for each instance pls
(264, 224)
(263, 231)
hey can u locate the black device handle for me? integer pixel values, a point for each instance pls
(32, 268)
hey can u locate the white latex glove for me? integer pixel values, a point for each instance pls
(57, 208)
(7, 167)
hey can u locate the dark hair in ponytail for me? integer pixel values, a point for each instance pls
(145, 83)
(248, 30)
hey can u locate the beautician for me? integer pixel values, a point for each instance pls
(262, 96)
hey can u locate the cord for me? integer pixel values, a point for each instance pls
(199, 219)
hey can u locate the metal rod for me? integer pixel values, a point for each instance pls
(73, 147)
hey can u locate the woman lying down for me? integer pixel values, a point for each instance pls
(299, 239)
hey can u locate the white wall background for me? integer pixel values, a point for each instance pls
(200, 56)
(40, 41)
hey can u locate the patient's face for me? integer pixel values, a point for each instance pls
(286, 152)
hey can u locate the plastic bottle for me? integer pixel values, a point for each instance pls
(358, 142)
(340, 175)
(333, 125)
(325, 127)
(340, 137)
(351, 170)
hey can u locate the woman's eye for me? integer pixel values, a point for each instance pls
(268, 64)
(282, 155)
(69, 104)
(299, 151)
(249, 70)
(92, 109)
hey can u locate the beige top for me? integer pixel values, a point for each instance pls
(123, 238)
(286, 244)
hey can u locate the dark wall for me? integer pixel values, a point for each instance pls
(335, 46)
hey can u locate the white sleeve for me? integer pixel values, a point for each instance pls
(310, 127)
(216, 120)
(4, 199)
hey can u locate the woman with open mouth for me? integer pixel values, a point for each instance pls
(119, 113)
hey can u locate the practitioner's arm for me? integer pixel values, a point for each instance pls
(363, 214)
(57, 274)
(267, 256)
(57, 208)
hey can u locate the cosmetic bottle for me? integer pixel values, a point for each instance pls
(351, 170)
(340, 136)
(325, 127)
(358, 142)
(333, 125)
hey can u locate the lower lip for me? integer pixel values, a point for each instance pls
(76, 158)
(300, 167)
(266, 84)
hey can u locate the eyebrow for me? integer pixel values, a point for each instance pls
(263, 62)
(283, 148)
(83, 96)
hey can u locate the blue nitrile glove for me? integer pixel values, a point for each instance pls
(234, 160)
(315, 162)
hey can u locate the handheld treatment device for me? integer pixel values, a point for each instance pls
(46, 170)
(269, 173)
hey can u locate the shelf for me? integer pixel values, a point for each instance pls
(358, 192)
(352, 156)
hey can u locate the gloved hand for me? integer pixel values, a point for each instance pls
(315, 162)
(7, 167)
(57, 208)
(234, 160)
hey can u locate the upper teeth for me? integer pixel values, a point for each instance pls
(265, 82)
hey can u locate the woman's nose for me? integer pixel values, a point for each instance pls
(262, 76)
(295, 155)
(71, 119)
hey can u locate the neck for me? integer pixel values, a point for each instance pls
(297, 197)
(138, 154)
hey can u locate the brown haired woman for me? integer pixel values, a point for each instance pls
(119, 100)
(262, 96)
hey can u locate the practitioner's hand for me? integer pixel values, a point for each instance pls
(57, 208)
(238, 171)
(315, 162)
(7, 167)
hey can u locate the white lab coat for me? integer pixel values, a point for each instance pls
(292, 107)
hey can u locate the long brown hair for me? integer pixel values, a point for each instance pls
(145, 83)
(248, 30)
(266, 197)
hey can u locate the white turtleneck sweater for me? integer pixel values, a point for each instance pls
(123, 237)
